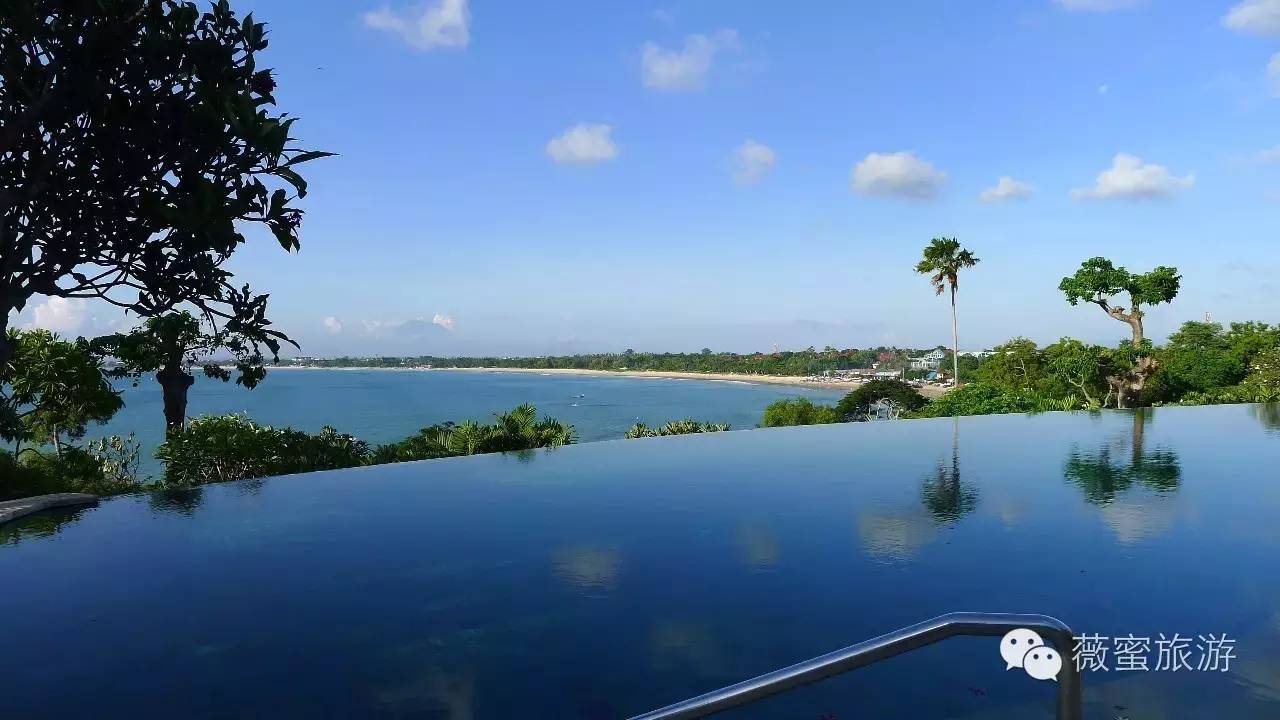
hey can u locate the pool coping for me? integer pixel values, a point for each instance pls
(14, 509)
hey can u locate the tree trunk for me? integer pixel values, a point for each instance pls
(1135, 324)
(175, 382)
(6, 346)
(955, 340)
(1130, 383)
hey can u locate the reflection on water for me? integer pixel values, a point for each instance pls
(687, 648)
(895, 537)
(41, 525)
(944, 498)
(180, 502)
(443, 695)
(482, 588)
(1268, 415)
(759, 547)
(591, 569)
(1114, 468)
(944, 495)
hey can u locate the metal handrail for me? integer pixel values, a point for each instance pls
(883, 648)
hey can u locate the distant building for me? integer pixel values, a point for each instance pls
(928, 362)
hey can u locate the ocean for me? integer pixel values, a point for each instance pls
(386, 405)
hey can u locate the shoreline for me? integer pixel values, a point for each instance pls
(791, 380)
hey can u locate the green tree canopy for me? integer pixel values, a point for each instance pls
(1015, 366)
(172, 344)
(857, 403)
(137, 139)
(1198, 358)
(1077, 368)
(798, 411)
(56, 388)
(1099, 281)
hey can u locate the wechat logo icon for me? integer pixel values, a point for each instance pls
(1023, 648)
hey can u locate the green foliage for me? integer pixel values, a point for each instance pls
(55, 388)
(179, 340)
(676, 427)
(943, 260)
(1263, 381)
(1249, 339)
(107, 467)
(798, 411)
(1016, 367)
(217, 448)
(519, 429)
(981, 399)
(137, 140)
(1074, 368)
(857, 403)
(1102, 477)
(1198, 358)
(1098, 280)
(1261, 385)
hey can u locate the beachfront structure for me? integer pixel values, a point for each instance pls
(930, 361)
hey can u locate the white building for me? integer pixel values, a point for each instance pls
(931, 360)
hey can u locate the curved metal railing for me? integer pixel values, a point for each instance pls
(883, 648)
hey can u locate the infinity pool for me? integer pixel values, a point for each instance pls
(604, 580)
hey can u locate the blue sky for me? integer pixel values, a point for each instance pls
(573, 175)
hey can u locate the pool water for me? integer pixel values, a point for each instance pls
(605, 580)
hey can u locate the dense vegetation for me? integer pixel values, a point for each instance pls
(801, 362)
(675, 427)
(1202, 363)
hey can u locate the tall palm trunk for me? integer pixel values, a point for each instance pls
(955, 339)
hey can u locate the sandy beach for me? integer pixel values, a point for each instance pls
(929, 392)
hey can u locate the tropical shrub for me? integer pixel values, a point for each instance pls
(676, 427)
(107, 467)
(798, 411)
(982, 399)
(519, 429)
(1199, 358)
(856, 404)
(216, 448)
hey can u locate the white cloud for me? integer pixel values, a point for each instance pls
(1254, 17)
(1006, 188)
(752, 161)
(435, 24)
(66, 316)
(684, 70)
(1129, 177)
(332, 325)
(443, 321)
(899, 174)
(1273, 75)
(1270, 156)
(1097, 5)
(583, 144)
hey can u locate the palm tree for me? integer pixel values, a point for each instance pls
(942, 262)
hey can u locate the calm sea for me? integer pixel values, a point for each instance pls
(386, 405)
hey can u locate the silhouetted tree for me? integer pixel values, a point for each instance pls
(136, 141)
(171, 345)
